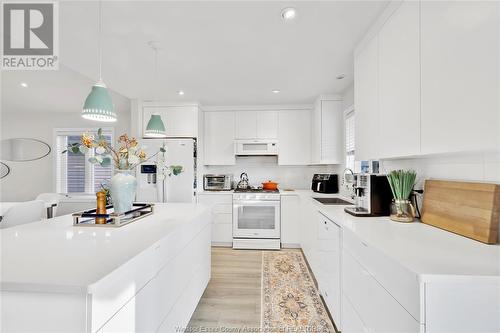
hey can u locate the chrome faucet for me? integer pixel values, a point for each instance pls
(349, 184)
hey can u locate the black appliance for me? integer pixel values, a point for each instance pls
(325, 183)
(373, 195)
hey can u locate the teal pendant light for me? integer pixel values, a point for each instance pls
(98, 104)
(155, 127)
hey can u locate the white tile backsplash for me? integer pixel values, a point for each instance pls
(480, 167)
(263, 168)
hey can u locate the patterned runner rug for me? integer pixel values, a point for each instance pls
(290, 301)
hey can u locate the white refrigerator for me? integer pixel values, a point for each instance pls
(180, 188)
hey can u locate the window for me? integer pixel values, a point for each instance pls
(349, 140)
(74, 173)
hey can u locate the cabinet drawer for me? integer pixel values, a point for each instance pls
(351, 323)
(378, 310)
(145, 310)
(399, 281)
(213, 199)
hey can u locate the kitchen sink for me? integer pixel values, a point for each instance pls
(332, 201)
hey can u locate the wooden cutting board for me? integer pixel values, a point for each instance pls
(468, 209)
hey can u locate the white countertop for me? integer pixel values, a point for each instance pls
(428, 251)
(55, 253)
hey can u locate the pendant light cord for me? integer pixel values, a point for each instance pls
(100, 40)
(156, 79)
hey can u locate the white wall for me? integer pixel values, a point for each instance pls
(348, 97)
(28, 179)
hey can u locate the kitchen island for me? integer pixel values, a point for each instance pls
(145, 276)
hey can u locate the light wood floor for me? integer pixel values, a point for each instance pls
(232, 298)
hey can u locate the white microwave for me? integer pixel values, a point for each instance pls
(255, 147)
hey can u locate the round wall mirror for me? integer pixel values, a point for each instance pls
(4, 170)
(23, 150)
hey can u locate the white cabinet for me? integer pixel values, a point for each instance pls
(219, 138)
(222, 216)
(427, 81)
(256, 124)
(327, 132)
(294, 136)
(399, 83)
(378, 310)
(290, 220)
(180, 121)
(245, 124)
(460, 76)
(366, 101)
(328, 275)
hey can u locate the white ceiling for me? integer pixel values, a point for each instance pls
(49, 91)
(219, 53)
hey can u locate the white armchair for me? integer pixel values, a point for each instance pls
(23, 212)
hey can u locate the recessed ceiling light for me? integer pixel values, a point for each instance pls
(276, 91)
(288, 13)
(340, 76)
(180, 92)
(24, 85)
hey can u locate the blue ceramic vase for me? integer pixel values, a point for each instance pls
(122, 187)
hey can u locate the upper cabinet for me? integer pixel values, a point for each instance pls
(294, 136)
(366, 101)
(256, 124)
(399, 82)
(181, 121)
(460, 76)
(327, 131)
(218, 138)
(427, 80)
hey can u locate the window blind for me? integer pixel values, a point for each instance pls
(350, 143)
(74, 173)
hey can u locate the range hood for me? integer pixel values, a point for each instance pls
(262, 147)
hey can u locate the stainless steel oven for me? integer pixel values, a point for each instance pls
(256, 221)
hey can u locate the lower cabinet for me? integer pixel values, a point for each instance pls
(167, 301)
(351, 322)
(290, 221)
(328, 275)
(222, 216)
(366, 290)
(378, 310)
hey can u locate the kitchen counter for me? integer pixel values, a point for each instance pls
(53, 255)
(146, 276)
(423, 249)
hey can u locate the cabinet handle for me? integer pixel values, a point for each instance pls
(364, 244)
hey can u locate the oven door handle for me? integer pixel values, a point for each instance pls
(256, 203)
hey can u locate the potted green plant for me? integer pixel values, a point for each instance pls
(402, 183)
